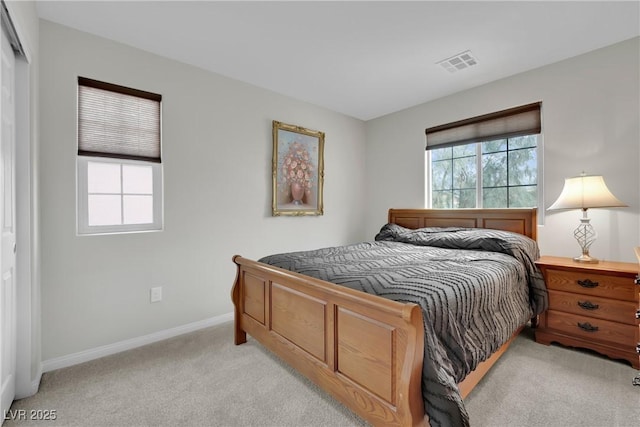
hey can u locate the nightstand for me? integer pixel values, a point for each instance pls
(591, 306)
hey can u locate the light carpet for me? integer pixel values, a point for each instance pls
(203, 379)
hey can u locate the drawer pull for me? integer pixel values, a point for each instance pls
(586, 326)
(637, 314)
(586, 283)
(637, 280)
(638, 348)
(587, 305)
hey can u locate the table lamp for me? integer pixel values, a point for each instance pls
(584, 192)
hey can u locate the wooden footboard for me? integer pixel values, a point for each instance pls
(366, 351)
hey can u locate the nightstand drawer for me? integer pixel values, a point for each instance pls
(591, 284)
(592, 329)
(592, 306)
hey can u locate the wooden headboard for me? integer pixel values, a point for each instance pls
(522, 221)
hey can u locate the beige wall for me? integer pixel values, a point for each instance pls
(590, 114)
(217, 195)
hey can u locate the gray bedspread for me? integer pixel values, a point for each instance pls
(475, 288)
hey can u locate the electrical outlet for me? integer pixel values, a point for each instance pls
(156, 294)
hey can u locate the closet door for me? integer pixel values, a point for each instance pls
(8, 304)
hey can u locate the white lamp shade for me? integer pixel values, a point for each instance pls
(584, 192)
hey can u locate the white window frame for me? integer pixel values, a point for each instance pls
(83, 226)
(540, 174)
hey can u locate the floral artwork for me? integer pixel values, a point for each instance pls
(297, 170)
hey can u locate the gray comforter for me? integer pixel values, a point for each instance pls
(475, 288)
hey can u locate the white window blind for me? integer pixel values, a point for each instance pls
(118, 122)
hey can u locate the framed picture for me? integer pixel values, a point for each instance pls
(298, 170)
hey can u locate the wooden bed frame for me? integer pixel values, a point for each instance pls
(364, 350)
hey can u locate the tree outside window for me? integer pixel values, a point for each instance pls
(502, 173)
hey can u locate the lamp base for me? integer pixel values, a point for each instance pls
(586, 259)
(585, 235)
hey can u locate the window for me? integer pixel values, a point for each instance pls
(500, 173)
(490, 161)
(119, 163)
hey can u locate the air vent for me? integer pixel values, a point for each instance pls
(459, 62)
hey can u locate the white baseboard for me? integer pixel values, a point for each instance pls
(109, 349)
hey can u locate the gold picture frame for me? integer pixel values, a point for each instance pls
(298, 170)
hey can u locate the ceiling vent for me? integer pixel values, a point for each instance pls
(458, 62)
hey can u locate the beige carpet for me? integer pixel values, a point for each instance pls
(202, 379)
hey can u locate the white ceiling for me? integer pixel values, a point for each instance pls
(361, 58)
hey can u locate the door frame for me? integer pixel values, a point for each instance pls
(28, 346)
(28, 365)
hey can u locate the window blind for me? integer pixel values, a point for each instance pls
(518, 121)
(117, 121)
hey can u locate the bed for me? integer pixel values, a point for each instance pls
(368, 351)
